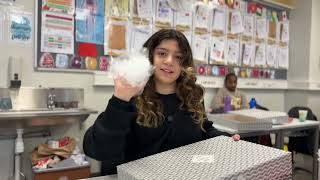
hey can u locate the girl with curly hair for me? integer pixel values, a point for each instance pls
(165, 113)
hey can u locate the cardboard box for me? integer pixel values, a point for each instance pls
(73, 173)
(216, 158)
(240, 122)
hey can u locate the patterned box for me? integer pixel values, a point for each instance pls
(275, 117)
(215, 158)
(240, 122)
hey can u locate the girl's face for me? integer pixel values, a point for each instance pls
(167, 61)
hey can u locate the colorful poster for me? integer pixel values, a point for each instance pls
(119, 8)
(283, 57)
(57, 33)
(271, 54)
(57, 42)
(260, 58)
(56, 21)
(183, 18)
(247, 53)
(92, 7)
(89, 28)
(62, 6)
(261, 28)
(20, 28)
(219, 20)
(200, 47)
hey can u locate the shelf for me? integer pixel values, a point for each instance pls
(68, 70)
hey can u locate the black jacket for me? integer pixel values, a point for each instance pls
(116, 138)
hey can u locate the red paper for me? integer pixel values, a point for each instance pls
(86, 49)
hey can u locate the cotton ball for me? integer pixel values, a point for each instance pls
(135, 68)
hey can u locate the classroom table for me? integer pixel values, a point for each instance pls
(280, 131)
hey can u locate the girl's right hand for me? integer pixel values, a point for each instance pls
(125, 91)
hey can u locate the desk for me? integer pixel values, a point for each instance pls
(279, 131)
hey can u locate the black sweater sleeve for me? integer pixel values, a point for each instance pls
(211, 131)
(106, 139)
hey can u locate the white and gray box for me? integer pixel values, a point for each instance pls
(215, 158)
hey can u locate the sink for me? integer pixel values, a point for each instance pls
(23, 118)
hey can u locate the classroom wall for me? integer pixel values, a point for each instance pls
(314, 72)
(300, 24)
(97, 97)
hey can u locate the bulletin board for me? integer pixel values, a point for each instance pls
(244, 37)
(59, 44)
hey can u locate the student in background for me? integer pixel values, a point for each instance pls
(238, 99)
(169, 112)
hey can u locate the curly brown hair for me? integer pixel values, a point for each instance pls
(191, 94)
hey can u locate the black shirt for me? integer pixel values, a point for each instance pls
(116, 138)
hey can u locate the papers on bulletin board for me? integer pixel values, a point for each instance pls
(284, 29)
(260, 58)
(261, 28)
(199, 47)
(140, 35)
(119, 8)
(57, 33)
(116, 39)
(188, 35)
(183, 19)
(219, 20)
(57, 42)
(62, 6)
(233, 48)
(144, 8)
(271, 55)
(283, 57)
(247, 53)
(93, 7)
(236, 22)
(164, 13)
(20, 27)
(57, 21)
(89, 28)
(248, 25)
(201, 15)
(217, 47)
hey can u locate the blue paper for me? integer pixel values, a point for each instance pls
(94, 7)
(90, 29)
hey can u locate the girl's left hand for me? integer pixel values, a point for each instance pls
(236, 137)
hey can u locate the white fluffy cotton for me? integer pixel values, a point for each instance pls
(135, 68)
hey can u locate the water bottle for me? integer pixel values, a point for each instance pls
(227, 104)
(253, 103)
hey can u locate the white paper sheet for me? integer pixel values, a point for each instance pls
(236, 22)
(232, 55)
(285, 32)
(283, 57)
(247, 53)
(201, 16)
(57, 33)
(271, 54)
(163, 12)
(261, 28)
(199, 47)
(144, 8)
(188, 35)
(248, 25)
(260, 58)
(139, 37)
(183, 18)
(219, 20)
(217, 49)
